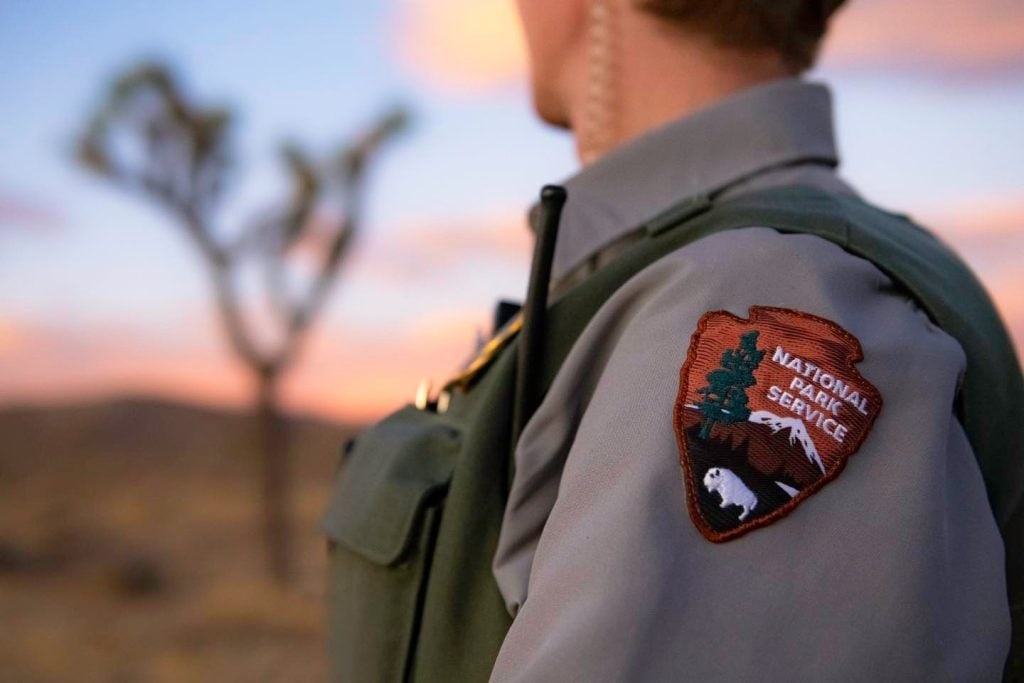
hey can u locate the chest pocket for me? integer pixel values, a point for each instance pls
(382, 523)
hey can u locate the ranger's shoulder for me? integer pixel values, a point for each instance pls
(754, 266)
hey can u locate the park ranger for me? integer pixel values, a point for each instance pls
(745, 427)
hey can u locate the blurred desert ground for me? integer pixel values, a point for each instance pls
(129, 552)
(129, 543)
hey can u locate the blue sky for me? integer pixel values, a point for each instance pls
(87, 273)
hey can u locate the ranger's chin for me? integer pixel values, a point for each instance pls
(549, 108)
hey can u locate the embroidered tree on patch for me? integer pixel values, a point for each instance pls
(724, 399)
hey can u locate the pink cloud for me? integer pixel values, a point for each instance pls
(419, 250)
(47, 362)
(363, 375)
(944, 34)
(12, 338)
(470, 45)
(504, 238)
(989, 233)
(20, 212)
(460, 44)
(979, 218)
(352, 374)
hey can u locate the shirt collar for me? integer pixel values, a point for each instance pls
(777, 124)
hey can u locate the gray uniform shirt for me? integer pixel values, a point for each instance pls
(894, 571)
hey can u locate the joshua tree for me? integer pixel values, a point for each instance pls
(148, 138)
(725, 398)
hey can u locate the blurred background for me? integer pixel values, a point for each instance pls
(233, 232)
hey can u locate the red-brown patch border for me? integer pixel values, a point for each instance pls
(753, 315)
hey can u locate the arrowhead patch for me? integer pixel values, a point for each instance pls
(769, 410)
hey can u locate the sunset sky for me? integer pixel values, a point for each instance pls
(100, 296)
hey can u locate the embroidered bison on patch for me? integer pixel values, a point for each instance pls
(731, 488)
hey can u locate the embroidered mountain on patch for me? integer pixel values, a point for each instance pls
(769, 410)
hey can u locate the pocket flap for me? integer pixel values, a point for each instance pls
(395, 469)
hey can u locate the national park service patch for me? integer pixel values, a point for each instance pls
(769, 410)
